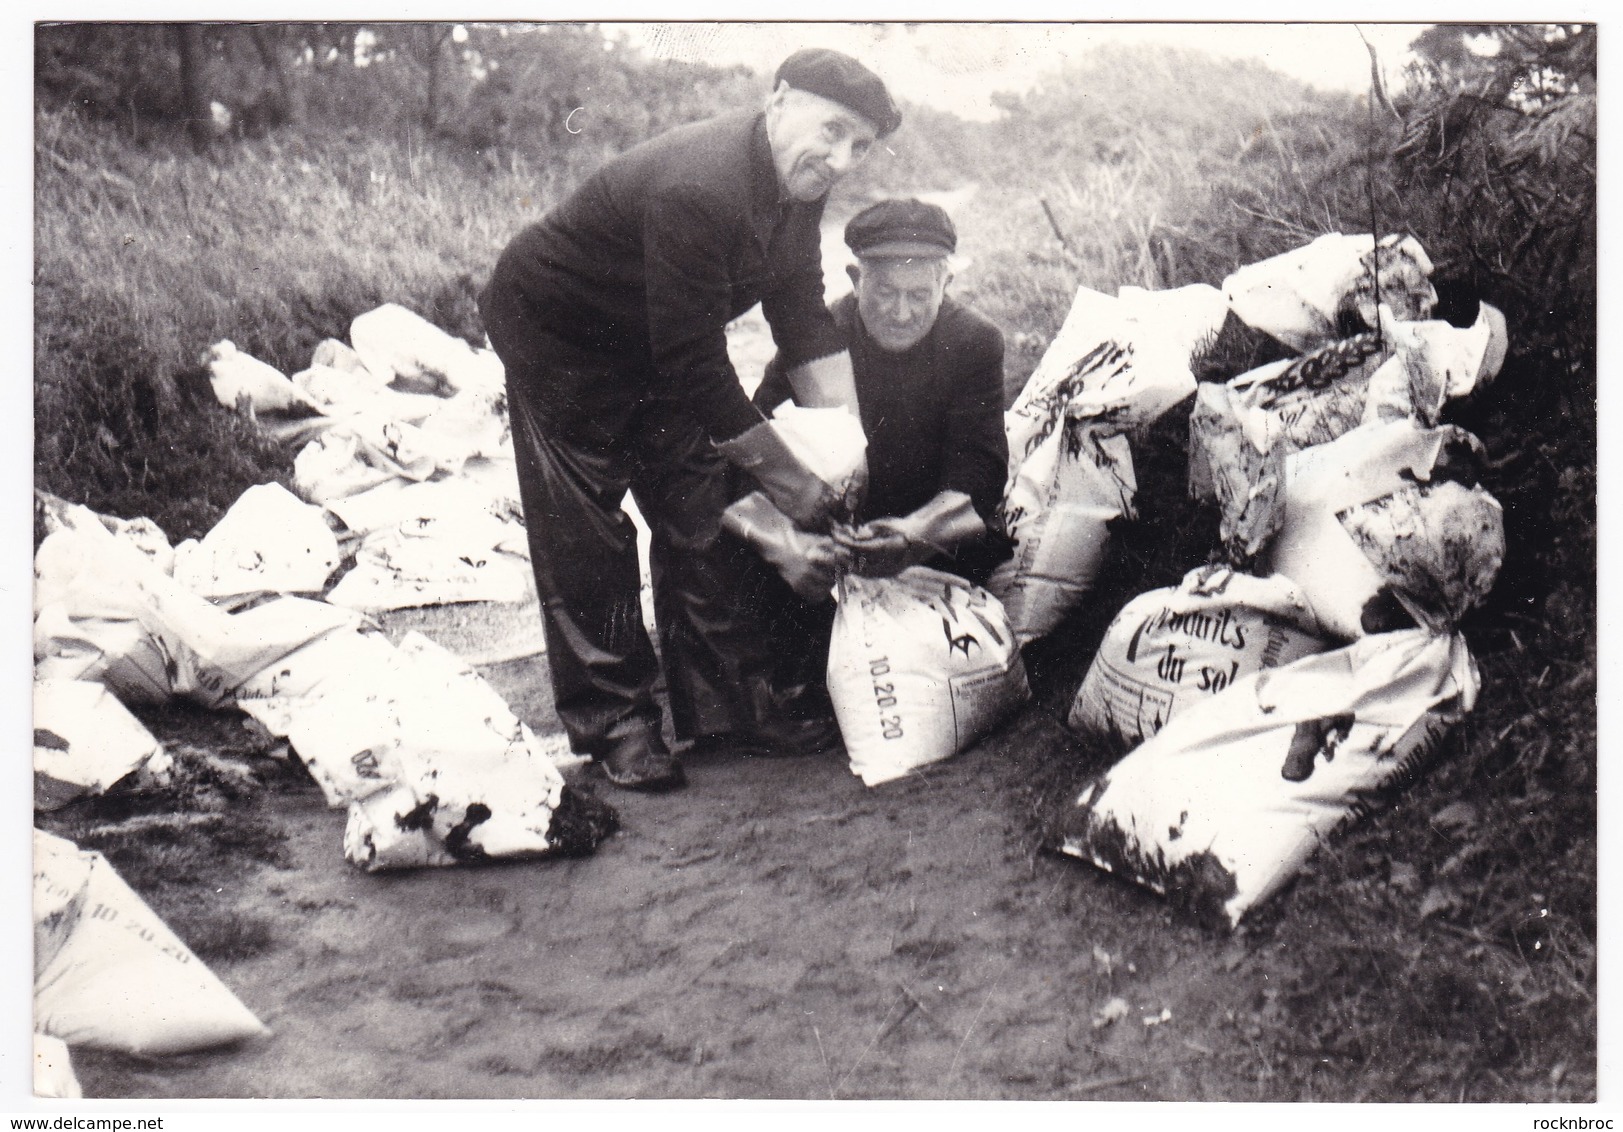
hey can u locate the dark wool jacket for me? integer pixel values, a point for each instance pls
(933, 414)
(663, 246)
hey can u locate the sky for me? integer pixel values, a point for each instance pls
(957, 67)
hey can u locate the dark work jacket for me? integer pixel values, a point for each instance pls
(647, 262)
(933, 414)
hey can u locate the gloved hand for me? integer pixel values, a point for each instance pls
(789, 484)
(886, 547)
(830, 382)
(809, 563)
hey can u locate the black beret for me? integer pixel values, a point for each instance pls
(902, 227)
(818, 70)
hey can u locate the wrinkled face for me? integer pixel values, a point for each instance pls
(815, 141)
(899, 299)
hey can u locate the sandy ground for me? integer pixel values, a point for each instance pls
(776, 930)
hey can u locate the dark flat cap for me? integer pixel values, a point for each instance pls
(835, 76)
(901, 228)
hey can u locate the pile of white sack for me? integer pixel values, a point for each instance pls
(1264, 702)
(429, 760)
(408, 457)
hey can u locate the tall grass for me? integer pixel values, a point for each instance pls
(146, 256)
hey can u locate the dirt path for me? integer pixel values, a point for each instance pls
(777, 930)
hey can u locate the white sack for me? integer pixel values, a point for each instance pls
(359, 452)
(53, 1070)
(268, 542)
(85, 741)
(344, 392)
(1240, 433)
(61, 887)
(1115, 367)
(1127, 355)
(470, 424)
(398, 342)
(411, 732)
(105, 612)
(353, 667)
(1170, 649)
(829, 441)
(143, 534)
(244, 384)
(1057, 512)
(433, 543)
(1294, 403)
(1360, 516)
(330, 353)
(920, 666)
(1224, 805)
(469, 780)
(121, 979)
(1296, 297)
(335, 465)
(1436, 363)
(450, 501)
(434, 562)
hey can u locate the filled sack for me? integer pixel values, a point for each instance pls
(1387, 527)
(1223, 806)
(1057, 512)
(432, 763)
(268, 541)
(86, 742)
(1240, 433)
(55, 514)
(246, 385)
(920, 666)
(419, 357)
(1170, 649)
(1116, 366)
(53, 1070)
(1288, 405)
(109, 974)
(1305, 295)
(1433, 363)
(104, 611)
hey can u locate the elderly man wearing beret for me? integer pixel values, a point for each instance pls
(609, 315)
(929, 380)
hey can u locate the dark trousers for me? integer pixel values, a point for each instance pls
(585, 431)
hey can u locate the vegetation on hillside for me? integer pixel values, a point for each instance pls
(1450, 941)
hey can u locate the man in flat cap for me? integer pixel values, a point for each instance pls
(929, 379)
(610, 316)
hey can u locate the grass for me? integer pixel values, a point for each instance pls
(146, 256)
(1443, 950)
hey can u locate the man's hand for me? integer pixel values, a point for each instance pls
(810, 563)
(886, 547)
(882, 548)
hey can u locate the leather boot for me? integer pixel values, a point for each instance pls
(643, 764)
